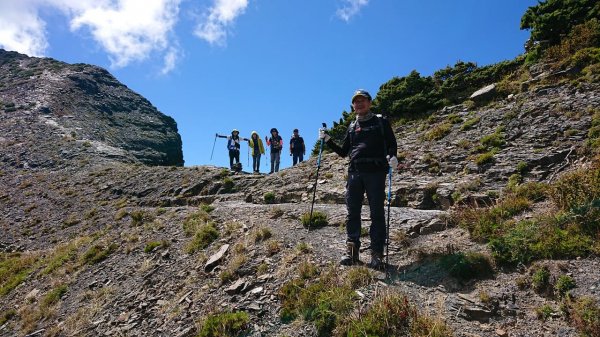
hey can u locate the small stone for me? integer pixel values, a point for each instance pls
(184, 297)
(32, 294)
(256, 290)
(216, 258)
(501, 333)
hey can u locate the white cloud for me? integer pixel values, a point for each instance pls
(128, 30)
(21, 29)
(350, 9)
(213, 28)
(170, 60)
(131, 30)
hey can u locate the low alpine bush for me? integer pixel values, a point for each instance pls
(319, 219)
(224, 324)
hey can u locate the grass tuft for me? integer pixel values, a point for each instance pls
(224, 324)
(391, 314)
(98, 253)
(203, 237)
(319, 219)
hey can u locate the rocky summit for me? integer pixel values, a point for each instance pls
(105, 233)
(54, 113)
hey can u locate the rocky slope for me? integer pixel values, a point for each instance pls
(52, 112)
(96, 242)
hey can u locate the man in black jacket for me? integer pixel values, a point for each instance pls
(297, 148)
(371, 146)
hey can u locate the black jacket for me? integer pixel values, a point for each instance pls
(367, 145)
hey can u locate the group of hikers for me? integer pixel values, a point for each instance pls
(370, 145)
(275, 144)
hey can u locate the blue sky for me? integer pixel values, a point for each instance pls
(216, 65)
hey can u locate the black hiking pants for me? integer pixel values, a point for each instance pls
(374, 184)
(234, 154)
(256, 162)
(297, 158)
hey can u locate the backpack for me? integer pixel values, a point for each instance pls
(237, 167)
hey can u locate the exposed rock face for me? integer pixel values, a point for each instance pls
(54, 112)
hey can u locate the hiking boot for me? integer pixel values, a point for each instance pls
(376, 261)
(351, 256)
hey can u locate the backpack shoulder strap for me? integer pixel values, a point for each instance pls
(380, 119)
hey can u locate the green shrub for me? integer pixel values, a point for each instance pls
(273, 247)
(564, 284)
(224, 324)
(303, 247)
(485, 158)
(60, 256)
(7, 315)
(307, 270)
(54, 296)
(493, 141)
(319, 219)
(542, 238)
(206, 207)
(522, 167)
(578, 188)
(194, 221)
(391, 314)
(98, 253)
(203, 237)
(228, 184)
(139, 217)
(540, 280)
(322, 302)
(224, 173)
(151, 245)
(470, 123)
(262, 234)
(14, 269)
(467, 266)
(269, 197)
(438, 132)
(532, 191)
(544, 312)
(514, 180)
(454, 118)
(359, 277)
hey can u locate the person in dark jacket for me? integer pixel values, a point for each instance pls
(233, 145)
(275, 142)
(371, 147)
(297, 148)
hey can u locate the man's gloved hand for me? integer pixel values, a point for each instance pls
(323, 135)
(393, 162)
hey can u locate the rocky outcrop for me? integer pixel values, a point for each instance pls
(54, 112)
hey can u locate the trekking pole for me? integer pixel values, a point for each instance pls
(213, 150)
(316, 182)
(387, 239)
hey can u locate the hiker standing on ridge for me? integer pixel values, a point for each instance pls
(371, 146)
(233, 145)
(297, 148)
(257, 147)
(276, 144)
